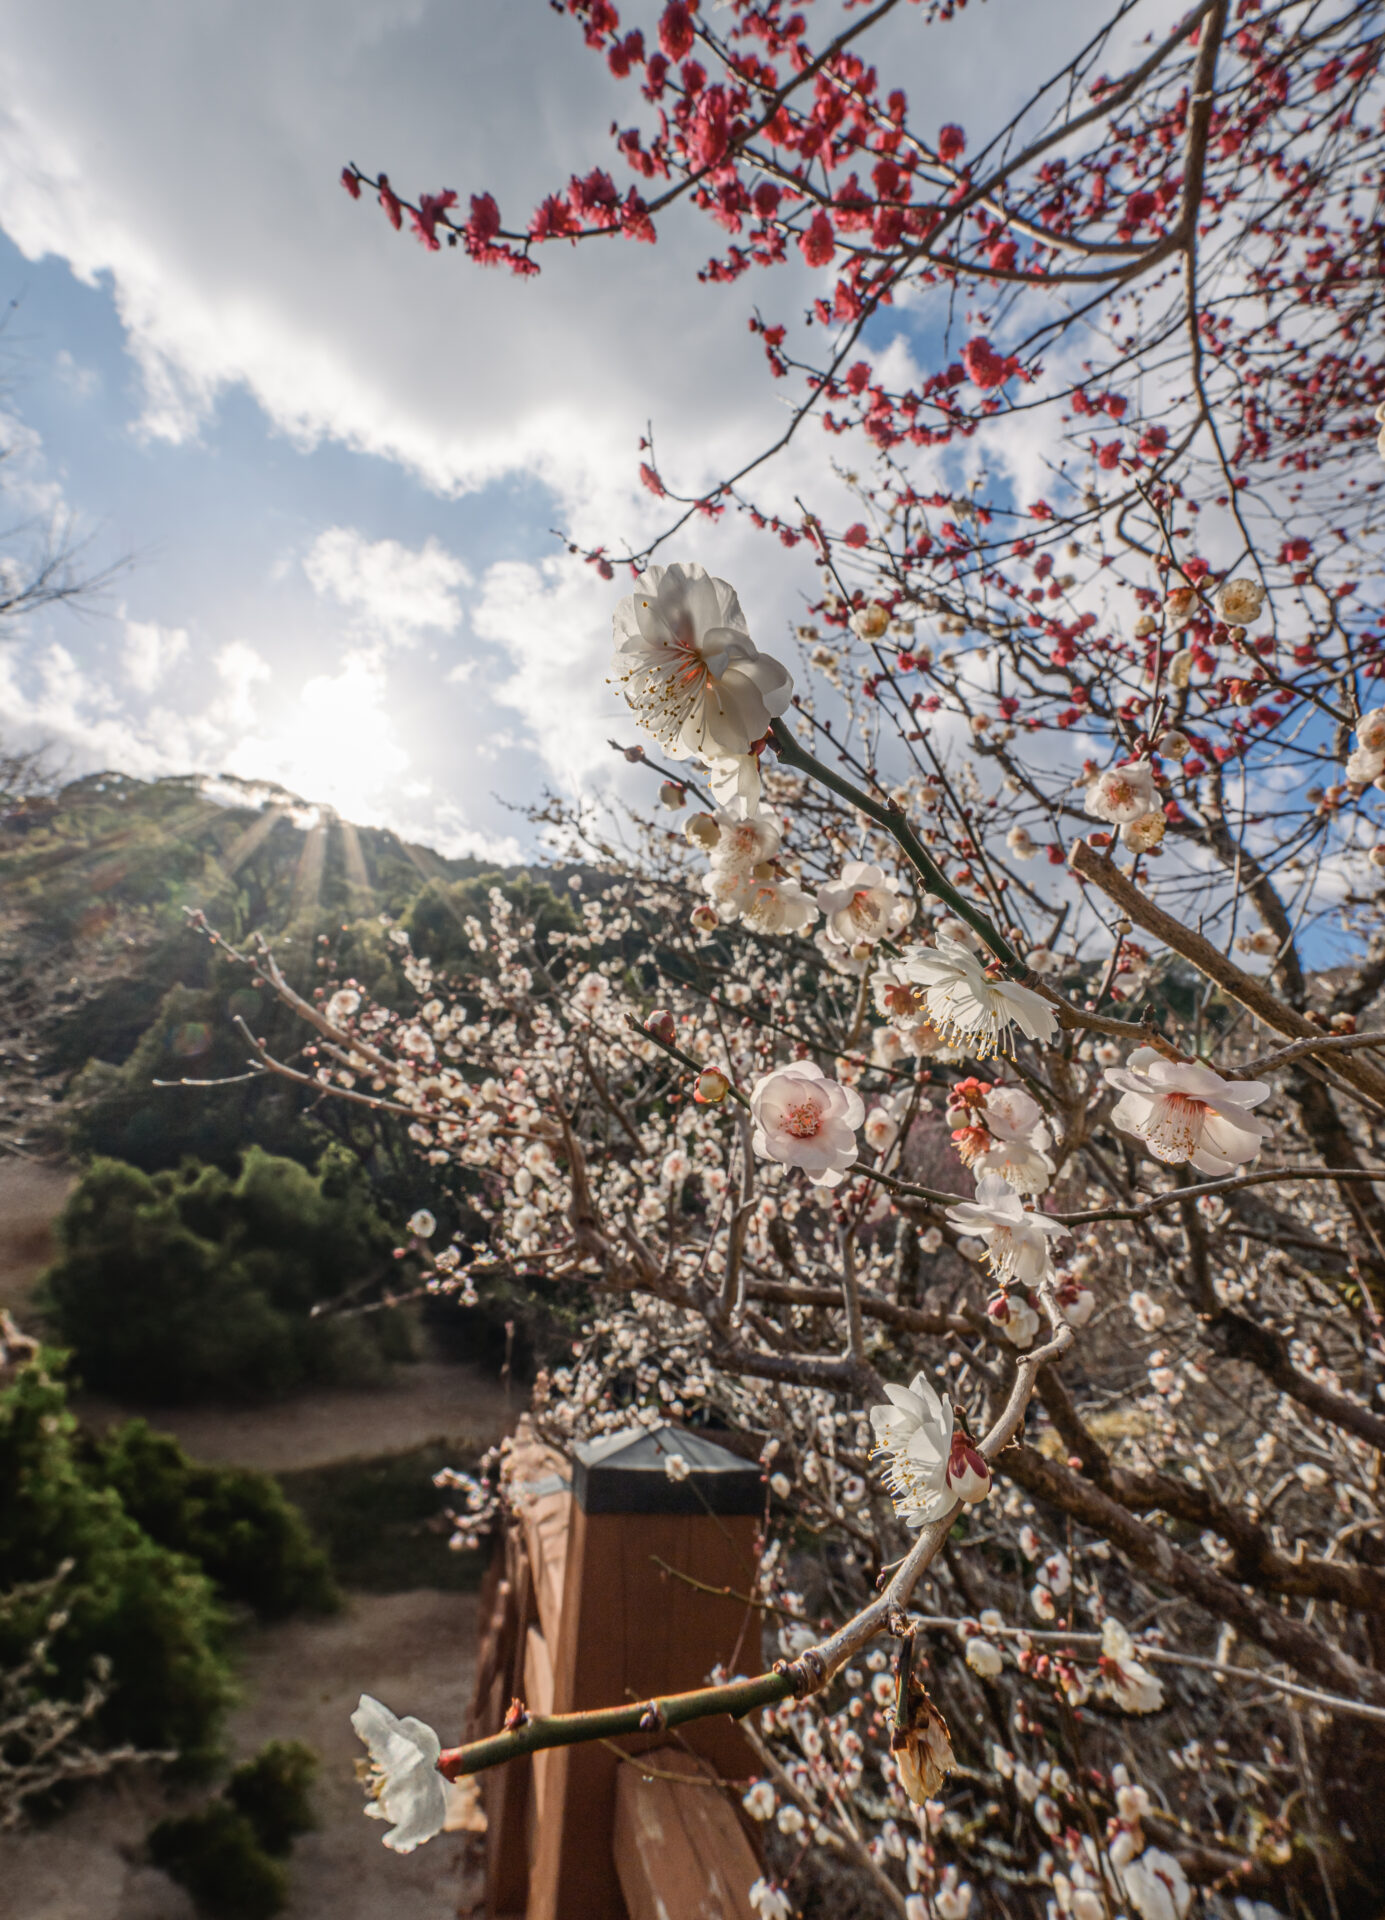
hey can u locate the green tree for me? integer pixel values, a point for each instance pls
(192, 1283)
(234, 1522)
(152, 1613)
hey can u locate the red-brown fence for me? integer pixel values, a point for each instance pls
(583, 1607)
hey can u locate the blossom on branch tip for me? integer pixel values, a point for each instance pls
(1186, 1112)
(689, 669)
(972, 1007)
(1123, 795)
(930, 1461)
(1017, 1240)
(803, 1119)
(402, 1780)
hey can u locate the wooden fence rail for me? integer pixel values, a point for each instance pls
(579, 1610)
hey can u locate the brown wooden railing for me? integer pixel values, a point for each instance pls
(583, 1607)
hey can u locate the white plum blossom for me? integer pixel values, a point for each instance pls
(403, 1782)
(952, 1901)
(864, 905)
(1021, 1139)
(1015, 1316)
(343, 1003)
(1185, 1112)
(592, 990)
(931, 1462)
(689, 669)
(1239, 602)
(973, 1006)
(1017, 1240)
(1132, 1686)
(1122, 795)
(803, 1119)
(759, 1800)
(422, 1224)
(769, 1902)
(776, 906)
(1145, 834)
(1156, 1886)
(984, 1657)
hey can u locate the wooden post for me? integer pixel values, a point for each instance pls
(629, 1630)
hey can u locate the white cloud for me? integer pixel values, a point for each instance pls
(81, 382)
(150, 652)
(397, 591)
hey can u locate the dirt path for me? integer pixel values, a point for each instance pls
(31, 1195)
(302, 1679)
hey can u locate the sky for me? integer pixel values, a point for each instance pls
(331, 462)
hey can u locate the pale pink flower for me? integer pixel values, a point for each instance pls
(1186, 1112)
(930, 1461)
(689, 669)
(863, 906)
(1123, 794)
(803, 1119)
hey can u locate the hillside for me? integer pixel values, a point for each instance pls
(94, 879)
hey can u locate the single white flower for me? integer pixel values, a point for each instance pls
(1123, 794)
(742, 844)
(1238, 602)
(760, 1800)
(423, 1224)
(342, 1005)
(676, 1467)
(881, 1129)
(1132, 1686)
(863, 905)
(1042, 1601)
(592, 989)
(1144, 834)
(1156, 1886)
(1014, 1314)
(871, 622)
(803, 1119)
(930, 1461)
(775, 906)
(789, 1819)
(1175, 745)
(689, 669)
(969, 1006)
(984, 1657)
(734, 779)
(768, 1902)
(1183, 1111)
(404, 1784)
(952, 1901)
(1016, 1239)
(1049, 1815)
(1370, 730)
(1364, 764)
(1021, 1139)
(1021, 843)
(1056, 1572)
(1076, 1303)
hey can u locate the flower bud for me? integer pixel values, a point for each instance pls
(660, 1024)
(1181, 669)
(701, 830)
(968, 1475)
(1175, 745)
(704, 919)
(712, 1087)
(673, 796)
